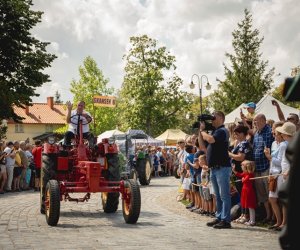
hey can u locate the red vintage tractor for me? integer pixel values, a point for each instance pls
(84, 168)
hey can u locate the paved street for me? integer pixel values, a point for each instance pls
(164, 223)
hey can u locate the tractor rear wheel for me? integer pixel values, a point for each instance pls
(52, 202)
(131, 202)
(110, 201)
(144, 169)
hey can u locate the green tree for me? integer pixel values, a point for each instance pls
(3, 130)
(23, 57)
(57, 96)
(246, 80)
(91, 83)
(149, 100)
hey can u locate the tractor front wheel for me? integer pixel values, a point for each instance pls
(110, 201)
(52, 202)
(131, 201)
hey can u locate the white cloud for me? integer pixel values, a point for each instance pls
(197, 32)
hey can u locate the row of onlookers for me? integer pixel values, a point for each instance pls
(256, 152)
(20, 165)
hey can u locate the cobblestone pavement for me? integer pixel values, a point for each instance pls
(164, 223)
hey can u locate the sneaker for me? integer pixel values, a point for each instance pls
(189, 205)
(212, 223)
(249, 223)
(192, 209)
(222, 224)
(242, 220)
(212, 214)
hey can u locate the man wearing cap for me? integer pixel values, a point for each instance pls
(250, 106)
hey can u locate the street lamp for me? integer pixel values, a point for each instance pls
(207, 86)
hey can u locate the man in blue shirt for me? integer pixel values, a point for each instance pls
(220, 170)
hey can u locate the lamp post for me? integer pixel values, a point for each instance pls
(200, 83)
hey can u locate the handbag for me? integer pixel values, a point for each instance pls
(272, 183)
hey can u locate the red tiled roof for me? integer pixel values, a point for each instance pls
(41, 113)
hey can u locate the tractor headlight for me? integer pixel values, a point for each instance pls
(51, 140)
(111, 140)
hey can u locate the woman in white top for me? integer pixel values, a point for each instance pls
(287, 131)
(275, 156)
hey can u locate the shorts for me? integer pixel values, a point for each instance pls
(17, 171)
(186, 183)
(206, 194)
(198, 182)
(2, 169)
(201, 192)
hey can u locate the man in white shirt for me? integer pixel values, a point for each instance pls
(73, 117)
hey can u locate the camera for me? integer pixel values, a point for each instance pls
(207, 119)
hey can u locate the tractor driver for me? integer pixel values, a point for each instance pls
(73, 117)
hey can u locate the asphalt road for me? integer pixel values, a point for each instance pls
(164, 223)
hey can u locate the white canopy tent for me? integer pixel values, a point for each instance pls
(108, 134)
(149, 141)
(264, 106)
(171, 136)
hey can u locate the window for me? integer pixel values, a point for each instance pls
(49, 127)
(19, 128)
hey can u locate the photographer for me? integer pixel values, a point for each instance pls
(219, 164)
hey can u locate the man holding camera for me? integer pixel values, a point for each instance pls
(219, 164)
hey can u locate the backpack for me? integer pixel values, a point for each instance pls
(18, 159)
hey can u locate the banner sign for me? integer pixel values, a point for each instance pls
(104, 101)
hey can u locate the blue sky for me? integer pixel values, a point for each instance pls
(197, 32)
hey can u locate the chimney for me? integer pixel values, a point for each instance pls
(27, 110)
(50, 101)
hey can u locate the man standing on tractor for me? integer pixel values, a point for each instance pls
(73, 117)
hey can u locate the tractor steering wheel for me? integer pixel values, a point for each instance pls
(79, 120)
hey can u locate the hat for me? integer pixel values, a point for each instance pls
(288, 128)
(250, 105)
(180, 141)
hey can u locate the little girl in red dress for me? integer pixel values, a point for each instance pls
(248, 196)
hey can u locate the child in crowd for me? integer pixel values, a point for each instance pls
(190, 150)
(155, 162)
(196, 184)
(208, 208)
(248, 197)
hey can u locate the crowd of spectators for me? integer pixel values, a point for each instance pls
(20, 164)
(238, 165)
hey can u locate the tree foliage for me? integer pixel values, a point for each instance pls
(246, 80)
(57, 96)
(91, 83)
(22, 56)
(149, 99)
